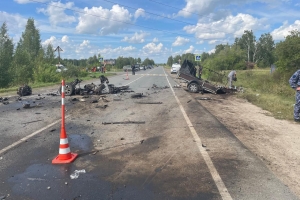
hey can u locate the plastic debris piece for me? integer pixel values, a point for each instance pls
(76, 173)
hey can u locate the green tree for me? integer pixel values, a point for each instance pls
(49, 54)
(288, 52)
(170, 61)
(248, 43)
(266, 47)
(6, 56)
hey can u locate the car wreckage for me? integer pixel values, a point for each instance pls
(73, 88)
(24, 90)
(187, 72)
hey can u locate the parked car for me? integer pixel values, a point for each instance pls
(137, 67)
(127, 68)
(175, 68)
(142, 67)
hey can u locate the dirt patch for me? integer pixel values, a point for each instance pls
(275, 142)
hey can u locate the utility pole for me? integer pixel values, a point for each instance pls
(58, 49)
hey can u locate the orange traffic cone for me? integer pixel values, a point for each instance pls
(65, 155)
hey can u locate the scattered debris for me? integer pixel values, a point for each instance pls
(52, 94)
(18, 108)
(103, 107)
(142, 141)
(203, 145)
(76, 173)
(48, 188)
(122, 138)
(125, 122)
(37, 113)
(74, 99)
(205, 98)
(176, 86)
(52, 130)
(189, 101)
(92, 133)
(32, 121)
(94, 101)
(24, 90)
(82, 100)
(3, 197)
(149, 102)
(137, 95)
(5, 102)
(26, 105)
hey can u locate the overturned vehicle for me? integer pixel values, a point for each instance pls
(187, 72)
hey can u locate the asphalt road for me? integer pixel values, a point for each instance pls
(177, 151)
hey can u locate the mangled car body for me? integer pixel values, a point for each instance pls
(187, 72)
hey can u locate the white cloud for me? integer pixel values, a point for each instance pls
(189, 50)
(103, 21)
(85, 43)
(284, 30)
(52, 40)
(152, 48)
(65, 39)
(180, 41)
(205, 7)
(155, 40)
(139, 13)
(231, 25)
(15, 22)
(28, 1)
(136, 38)
(56, 12)
(212, 51)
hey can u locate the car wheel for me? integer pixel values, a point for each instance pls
(193, 87)
(69, 90)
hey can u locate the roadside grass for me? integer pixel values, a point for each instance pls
(90, 76)
(269, 91)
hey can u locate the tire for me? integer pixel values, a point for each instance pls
(69, 89)
(193, 87)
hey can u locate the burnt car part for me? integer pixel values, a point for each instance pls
(70, 88)
(24, 90)
(187, 72)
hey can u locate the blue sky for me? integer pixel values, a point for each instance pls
(154, 29)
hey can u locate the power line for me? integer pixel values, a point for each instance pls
(105, 18)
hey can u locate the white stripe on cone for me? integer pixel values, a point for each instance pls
(63, 89)
(64, 151)
(62, 101)
(64, 141)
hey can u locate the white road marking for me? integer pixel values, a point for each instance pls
(134, 80)
(28, 137)
(213, 171)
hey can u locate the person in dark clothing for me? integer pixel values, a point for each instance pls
(199, 71)
(295, 84)
(133, 69)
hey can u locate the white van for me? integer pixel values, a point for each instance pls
(175, 68)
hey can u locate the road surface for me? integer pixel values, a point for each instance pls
(178, 150)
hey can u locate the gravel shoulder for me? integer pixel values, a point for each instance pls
(275, 142)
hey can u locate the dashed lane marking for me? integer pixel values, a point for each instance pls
(28, 137)
(213, 171)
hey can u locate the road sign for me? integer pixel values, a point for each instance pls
(197, 57)
(101, 59)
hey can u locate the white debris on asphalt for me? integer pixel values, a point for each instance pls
(76, 173)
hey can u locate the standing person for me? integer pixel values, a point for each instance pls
(295, 84)
(200, 71)
(231, 77)
(133, 69)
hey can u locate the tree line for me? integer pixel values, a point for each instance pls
(247, 52)
(29, 62)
